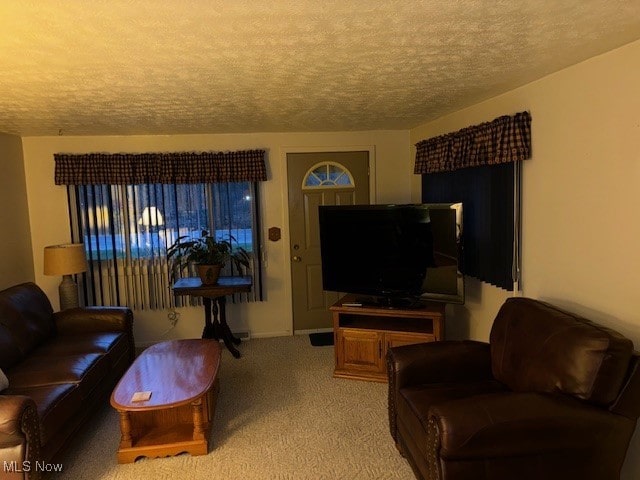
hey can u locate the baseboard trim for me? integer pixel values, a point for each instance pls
(313, 330)
(244, 335)
(285, 333)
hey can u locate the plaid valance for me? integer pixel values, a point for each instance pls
(167, 168)
(505, 139)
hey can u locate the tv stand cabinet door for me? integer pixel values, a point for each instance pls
(360, 354)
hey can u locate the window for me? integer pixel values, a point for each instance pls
(126, 230)
(480, 167)
(128, 208)
(327, 174)
(487, 193)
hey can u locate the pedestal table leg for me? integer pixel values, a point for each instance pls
(222, 301)
(209, 329)
(225, 331)
(218, 333)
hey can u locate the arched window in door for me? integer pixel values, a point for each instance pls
(327, 175)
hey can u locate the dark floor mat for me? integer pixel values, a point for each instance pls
(321, 339)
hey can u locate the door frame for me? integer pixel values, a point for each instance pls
(284, 151)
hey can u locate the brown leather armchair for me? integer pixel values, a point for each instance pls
(551, 396)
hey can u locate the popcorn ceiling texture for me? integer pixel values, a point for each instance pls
(210, 66)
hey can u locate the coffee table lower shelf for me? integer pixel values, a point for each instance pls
(169, 431)
(165, 443)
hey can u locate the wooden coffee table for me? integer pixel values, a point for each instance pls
(182, 376)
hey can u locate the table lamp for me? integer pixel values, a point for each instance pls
(151, 217)
(66, 260)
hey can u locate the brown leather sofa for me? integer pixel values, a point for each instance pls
(61, 367)
(551, 396)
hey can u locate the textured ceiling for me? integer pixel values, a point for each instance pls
(206, 66)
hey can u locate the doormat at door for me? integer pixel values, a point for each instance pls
(321, 339)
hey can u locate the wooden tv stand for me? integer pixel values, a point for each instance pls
(362, 335)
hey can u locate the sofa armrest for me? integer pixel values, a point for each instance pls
(509, 424)
(434, 362)
(94, 319)
(19, 431)
(628, 401)
(439, 362)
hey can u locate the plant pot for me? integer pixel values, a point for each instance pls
(209, 273)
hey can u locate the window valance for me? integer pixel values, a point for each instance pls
(505, 139)
(166, 168)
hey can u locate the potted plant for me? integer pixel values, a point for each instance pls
(208, 254)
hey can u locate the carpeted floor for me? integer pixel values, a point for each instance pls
(280, 415)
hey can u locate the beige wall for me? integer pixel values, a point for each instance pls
(581, 195)
(16, 260)
(50, 225)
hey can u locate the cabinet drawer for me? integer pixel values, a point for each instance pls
(397, 339)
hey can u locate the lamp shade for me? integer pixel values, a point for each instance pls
(151, 217)
(65, 259)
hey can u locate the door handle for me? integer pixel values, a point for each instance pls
(297, 258)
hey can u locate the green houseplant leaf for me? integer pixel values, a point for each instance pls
(205, 250)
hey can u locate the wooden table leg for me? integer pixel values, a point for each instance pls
(222, 301)
(225, 331)
(126, 440)
(198, 422)
(217, 331)
(209, 330)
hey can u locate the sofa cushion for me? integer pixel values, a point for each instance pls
(536, 347)
(10, 354)
(56, 405)
(114, 344)
(25, 311)
(415, 403)
(89, 369)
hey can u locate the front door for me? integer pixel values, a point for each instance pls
(329, 178)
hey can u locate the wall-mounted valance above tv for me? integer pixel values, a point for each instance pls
(393, 254)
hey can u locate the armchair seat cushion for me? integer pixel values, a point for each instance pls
(508, 424)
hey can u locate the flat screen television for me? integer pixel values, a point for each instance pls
(393, 254)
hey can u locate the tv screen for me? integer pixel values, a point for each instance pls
(393, 253)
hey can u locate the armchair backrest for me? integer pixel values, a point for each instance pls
(537, 347)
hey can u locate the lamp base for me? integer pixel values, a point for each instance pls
(68, 291)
